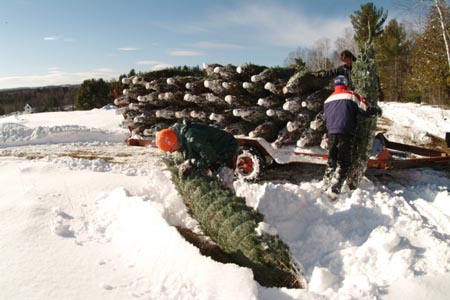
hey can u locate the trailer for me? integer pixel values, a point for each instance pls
(256, 154)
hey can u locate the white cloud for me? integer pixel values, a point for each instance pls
(127, 49)
(281, 24)
(211, 45)
(51, 38)
(148, 62)
(56, 76)
(185, 53)
(162, 67)
(104, 70)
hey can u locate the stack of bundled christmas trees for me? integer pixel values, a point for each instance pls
(282, 105)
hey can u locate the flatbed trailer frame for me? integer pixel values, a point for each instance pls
(256, 154)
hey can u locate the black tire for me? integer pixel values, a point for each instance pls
(250, 164)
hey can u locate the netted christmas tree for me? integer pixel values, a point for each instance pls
(232, 225)
(365, 79)
(368, 24)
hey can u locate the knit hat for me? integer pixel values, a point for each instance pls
(167, 140)
(340, 80)
(347, 54)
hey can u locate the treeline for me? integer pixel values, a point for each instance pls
(92, 93)
(51, 98)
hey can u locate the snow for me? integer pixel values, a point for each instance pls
(84, 216)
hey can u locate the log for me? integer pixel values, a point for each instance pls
(228, 73)
(267, 130)
(318, 124)
(224, 118)
(309, 138)
(209, 69)
(293, 104)
(152, 100)
(200, 115)
(303, 83)
(255, 89)
(138, 80)
(234, 88)
(160, 85)
(215, 86)
(240, 127)
(121, 102)
(286, 137)
(273, 74)
(302, 120)
(314, 101)
(197, 87)
(180, 81)
(280, 116)
(248, 70)
(174, 98)
(252, 114)
(197, 99)
(240, 101)
(275, 88)
(166, 113)
(271, 101)
(216, 101)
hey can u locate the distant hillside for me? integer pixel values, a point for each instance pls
(49, 98)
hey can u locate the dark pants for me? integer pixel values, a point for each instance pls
(339, 161)
(228, 157)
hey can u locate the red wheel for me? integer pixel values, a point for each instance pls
(249, 164)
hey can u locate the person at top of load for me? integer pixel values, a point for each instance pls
(202, 147)
(340, 111)
(345, 69)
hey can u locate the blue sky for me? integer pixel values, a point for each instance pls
(49, 42)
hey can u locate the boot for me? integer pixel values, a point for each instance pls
(327, 177)
(339, 178)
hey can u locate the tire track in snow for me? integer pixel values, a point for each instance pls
(432, 216)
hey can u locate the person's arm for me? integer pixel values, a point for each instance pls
(365, 108)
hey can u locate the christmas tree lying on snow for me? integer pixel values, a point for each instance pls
(232, 225)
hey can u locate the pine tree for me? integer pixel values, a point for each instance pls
(92, 94)
(393, 51)
(368, 22)
(429, 80)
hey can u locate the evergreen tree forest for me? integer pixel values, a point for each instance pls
(413, 63)
(41, 99)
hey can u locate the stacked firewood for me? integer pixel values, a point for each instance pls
(282, 105)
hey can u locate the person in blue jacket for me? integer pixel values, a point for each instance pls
(340, 111)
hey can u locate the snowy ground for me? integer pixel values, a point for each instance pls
(84, 216)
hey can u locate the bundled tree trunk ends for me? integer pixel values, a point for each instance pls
(276, 104)
(232, 225)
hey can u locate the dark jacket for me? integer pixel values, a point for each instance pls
(341, 109)
(344, 70)
(205, 146)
